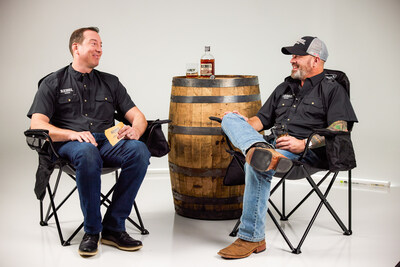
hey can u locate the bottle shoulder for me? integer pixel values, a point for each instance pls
(207, 56)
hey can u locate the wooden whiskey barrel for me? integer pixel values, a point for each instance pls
(198, 160)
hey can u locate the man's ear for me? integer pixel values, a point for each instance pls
(75, 50)
(316, 61)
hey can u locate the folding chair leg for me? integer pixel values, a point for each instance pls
(141, 227)
(305, 198)
(283, 216)
(63, 243)
(326, 203)
(282, 232)
(42, 222)
(235, 229)
(350, 231)
(51, 196)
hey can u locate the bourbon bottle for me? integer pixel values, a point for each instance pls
(207, 64)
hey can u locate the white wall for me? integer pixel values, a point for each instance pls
(146, 43)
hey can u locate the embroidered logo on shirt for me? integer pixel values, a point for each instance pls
(287, 96)
(66, 91)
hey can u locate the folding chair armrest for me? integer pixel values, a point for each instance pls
(215, 119)
(322, 132)
(37, 140)
(330, 133)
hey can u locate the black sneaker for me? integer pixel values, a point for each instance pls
(88, 246)
(120, 240)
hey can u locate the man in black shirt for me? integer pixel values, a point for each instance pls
(306, 100)
(77, 104)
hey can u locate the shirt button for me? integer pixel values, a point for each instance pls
(91, 123)
(283, 104)
(288, 119)
(85, 100)
(294, 106)
(106, 98)
(84, 85)
(69, 99)
(312, 103)
(86, 114)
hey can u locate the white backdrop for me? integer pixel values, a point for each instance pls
(146, 43)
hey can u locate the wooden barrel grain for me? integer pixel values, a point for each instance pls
(198, 160)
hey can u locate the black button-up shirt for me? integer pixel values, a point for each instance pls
(81, 101)
(319, 103)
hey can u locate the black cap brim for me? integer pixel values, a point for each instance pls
(293, 50)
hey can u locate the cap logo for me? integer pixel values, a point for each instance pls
(301, 41)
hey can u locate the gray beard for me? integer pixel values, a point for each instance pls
(298, 75)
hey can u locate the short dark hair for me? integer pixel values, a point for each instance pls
(77, 36)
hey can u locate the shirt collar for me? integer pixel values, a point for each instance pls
(316, 79)
(79, 75)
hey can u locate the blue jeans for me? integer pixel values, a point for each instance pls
(257, 184)
(133, 158)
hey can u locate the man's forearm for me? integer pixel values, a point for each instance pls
(319, 141)
(40, 121)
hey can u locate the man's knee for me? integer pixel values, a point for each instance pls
(87, 154)
(229, 118)
(138, 152)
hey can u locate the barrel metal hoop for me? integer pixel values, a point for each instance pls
(195, 172)
(215, 99)
(194, 130)
(209, 214)
(207, 200)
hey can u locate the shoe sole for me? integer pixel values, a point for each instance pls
(260, 158)
(112, 243)
(87, 254)
(256, 250)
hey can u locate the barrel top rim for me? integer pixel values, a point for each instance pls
(219, 77)
(219, 81)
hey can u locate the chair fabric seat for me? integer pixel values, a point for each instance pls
(297, 172)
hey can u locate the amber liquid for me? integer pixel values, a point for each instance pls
(205, 69)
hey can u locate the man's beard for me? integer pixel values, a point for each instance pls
(299, 74)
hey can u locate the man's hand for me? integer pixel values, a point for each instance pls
(128, 132)
(82, 137)
(290, 144)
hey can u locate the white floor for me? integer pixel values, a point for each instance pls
(178, 241)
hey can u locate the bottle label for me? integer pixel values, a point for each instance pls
(206, 69)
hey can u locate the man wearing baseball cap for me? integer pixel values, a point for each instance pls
(306, 100)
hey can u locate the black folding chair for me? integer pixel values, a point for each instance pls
(300, 170)
(40, 141)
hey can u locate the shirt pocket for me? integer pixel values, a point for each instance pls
(283, 106)
(314, 107)
(68, 105)
(104, 106)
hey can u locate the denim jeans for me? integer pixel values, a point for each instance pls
(133, 158)
(257, 184)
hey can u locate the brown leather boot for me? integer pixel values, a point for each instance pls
(242, 249)
(264, 159)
